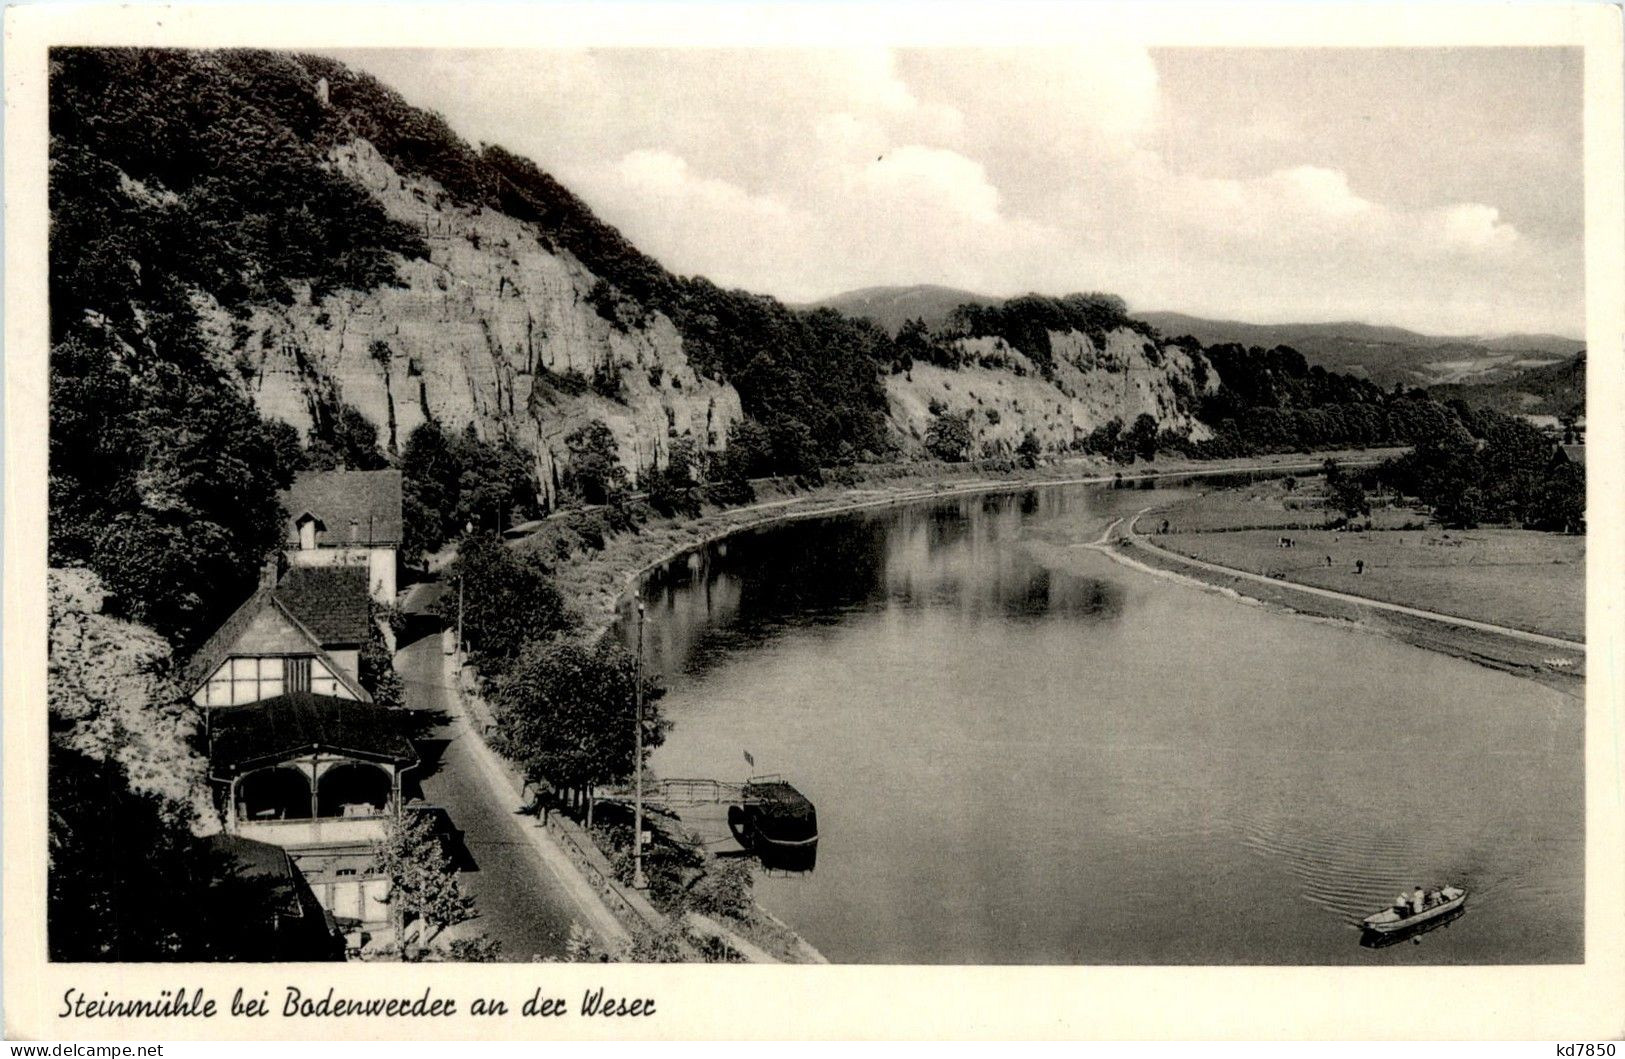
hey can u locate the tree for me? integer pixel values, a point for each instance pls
(494, 481)
(322, 455)
(163, 484)
(508, 600)
(1562, 501)
(794, 447)
(449, 482)
(750, 449)
(566, 712)
(1460, 506)
(430, 472)
(1029, 450)
(670, 487)
(594, 472)
(1344, 492)
(289, 454)
(948, 438)
(1105, 438)
(1142, 437)
(730, 470)
(349, 439)
(423, 883)
(128, 881)
(377, 670)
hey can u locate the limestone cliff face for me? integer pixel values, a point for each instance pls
(494, 329)
(1092, 384)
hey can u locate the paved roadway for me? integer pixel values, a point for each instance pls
(520, 899)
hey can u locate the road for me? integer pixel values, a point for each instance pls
(520, 898)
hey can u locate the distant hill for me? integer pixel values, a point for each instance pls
(1385, 355)
(1555, 389)
(892, 307)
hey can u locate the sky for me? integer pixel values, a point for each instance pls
(1436, 189)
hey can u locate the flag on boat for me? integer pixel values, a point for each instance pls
(750, 760)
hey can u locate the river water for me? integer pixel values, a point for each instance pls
(1024, 752)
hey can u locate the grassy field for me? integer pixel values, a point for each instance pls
(1519, 578)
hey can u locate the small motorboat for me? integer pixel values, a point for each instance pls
(1437, 904)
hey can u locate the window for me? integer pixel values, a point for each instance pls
(245, 678)
(299, 673)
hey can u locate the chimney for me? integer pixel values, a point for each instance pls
(269, 572)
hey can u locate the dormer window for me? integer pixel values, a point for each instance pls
(307, 524)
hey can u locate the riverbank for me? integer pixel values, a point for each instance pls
(987, 732)
(596, 583)
(1512, 600)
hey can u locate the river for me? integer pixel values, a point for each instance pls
(1024, 752)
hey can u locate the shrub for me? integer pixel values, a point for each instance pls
(948, 438)
(724, 888)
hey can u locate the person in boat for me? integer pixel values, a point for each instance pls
(1418, 899)
(1402, 904)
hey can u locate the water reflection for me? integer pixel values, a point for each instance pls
(1065, 761)
(821, 571)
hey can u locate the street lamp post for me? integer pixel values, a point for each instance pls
(459, 619)
(637, 783)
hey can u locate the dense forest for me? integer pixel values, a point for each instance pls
(1550, 389)
(1274, 401)
(175, 176)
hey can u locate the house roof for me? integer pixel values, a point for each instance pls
(330, 601)
(261, 860)
(369, 499)
(247, 737)
(219, 647)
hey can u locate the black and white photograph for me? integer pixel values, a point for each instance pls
(1080, 504)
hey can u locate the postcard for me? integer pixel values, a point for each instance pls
(983, 520)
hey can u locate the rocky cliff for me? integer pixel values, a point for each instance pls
(493, 328)
(112, 695)
(1119, 376)
(329, 246)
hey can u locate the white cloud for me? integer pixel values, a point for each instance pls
(928, 181)
(803, 173)
(1474, 226)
